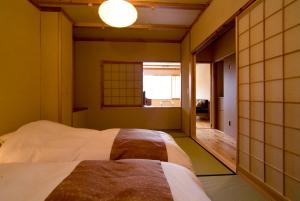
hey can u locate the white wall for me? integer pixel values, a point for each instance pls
(19, 64)
(203, 81)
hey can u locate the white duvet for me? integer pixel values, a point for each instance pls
(35, 181)
(45, 141)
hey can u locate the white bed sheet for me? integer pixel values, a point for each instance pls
(35, 181)
(45, 141)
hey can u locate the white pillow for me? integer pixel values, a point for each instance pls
(4, 138)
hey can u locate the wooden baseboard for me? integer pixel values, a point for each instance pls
(270, 193)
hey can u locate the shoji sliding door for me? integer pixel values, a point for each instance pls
(268, 38)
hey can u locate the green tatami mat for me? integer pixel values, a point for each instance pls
(203, 162)
(230, 188)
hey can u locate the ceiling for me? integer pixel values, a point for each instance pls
(158, 21)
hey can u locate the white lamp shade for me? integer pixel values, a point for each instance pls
(117, 13)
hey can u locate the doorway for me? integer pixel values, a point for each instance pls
(215, 88)
(203, 95)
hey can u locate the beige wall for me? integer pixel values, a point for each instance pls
(186, 84)
(218, 12)
(224, 46)
(88, 58)
(203, 81)
(230, 93)
(20, 64)
(56, 67)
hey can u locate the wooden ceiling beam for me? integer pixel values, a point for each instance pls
(134, 26)
(147, 4)
(126, 40)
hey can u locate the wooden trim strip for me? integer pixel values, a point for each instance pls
(138, 40)
(210, 38)
(51, 9)
(134, 26)
(249, 95)
(35, 4)
(148, 4)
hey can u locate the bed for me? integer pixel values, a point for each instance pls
(122, 180)
(46, 141)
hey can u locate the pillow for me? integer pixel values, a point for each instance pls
(4, 138)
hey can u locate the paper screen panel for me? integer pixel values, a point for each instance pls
(292, 90)
(244, 160)
(243, 40)
(269, 109)
(287, 2)
(274, 90)
(244, 107)
(292, 165)
(257, 149)
(291, 40)
(244, 92)
(257, 72)
(257, 168)
(274, 68)
(292, 139)
(244, 75)
(273, 25)
(274, 113)
(292, 187)
(257, 33)
(274, 178)
(244, 143)
(292, 114)
(273, 46)
(244, 58)
(244, 126)
(271, 6)
(257, 111)
(243, 23)
(274, 135)
(257, 130)
(292, 15)
(122, 84)
(257, 14)
(291, 65)
(257, 91)
(257, 53)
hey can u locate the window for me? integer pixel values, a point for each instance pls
(122, 84)
(162, 84)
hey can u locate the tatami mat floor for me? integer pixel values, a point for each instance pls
(219, 182)
(230, 188)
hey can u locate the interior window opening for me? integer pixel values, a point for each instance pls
(162, 84)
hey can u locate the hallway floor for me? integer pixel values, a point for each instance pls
(219, 144)
(202, 123)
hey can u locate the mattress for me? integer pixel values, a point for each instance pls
(46, 141)
(38, 181)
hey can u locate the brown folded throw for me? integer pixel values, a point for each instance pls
(139, 144)
(124, 180)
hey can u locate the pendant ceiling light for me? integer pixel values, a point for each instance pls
(117, 13)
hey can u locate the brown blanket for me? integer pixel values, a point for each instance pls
(139, 144)
(124, 180)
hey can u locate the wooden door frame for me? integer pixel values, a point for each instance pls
(193, 97)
